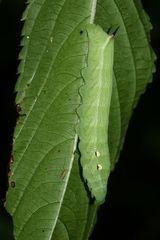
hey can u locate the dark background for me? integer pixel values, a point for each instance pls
(132, 209)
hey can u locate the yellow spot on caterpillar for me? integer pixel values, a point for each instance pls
(97, 153)
(99, 167)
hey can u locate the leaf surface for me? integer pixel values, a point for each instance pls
(45, 138)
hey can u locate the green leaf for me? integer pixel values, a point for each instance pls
(47, 197)
(75, 208)
(45, 138)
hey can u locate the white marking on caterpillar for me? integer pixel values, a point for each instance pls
(97, 153)
(99, 167)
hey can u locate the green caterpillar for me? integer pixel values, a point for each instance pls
(94, 111)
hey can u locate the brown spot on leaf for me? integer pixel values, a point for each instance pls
(63, 173)
(11, 159)
(18, 108)
(81, 32)
(13, 184)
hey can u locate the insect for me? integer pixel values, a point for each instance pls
(94, 111)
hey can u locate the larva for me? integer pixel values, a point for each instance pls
(94, 111)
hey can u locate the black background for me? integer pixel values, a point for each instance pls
(132, 208)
